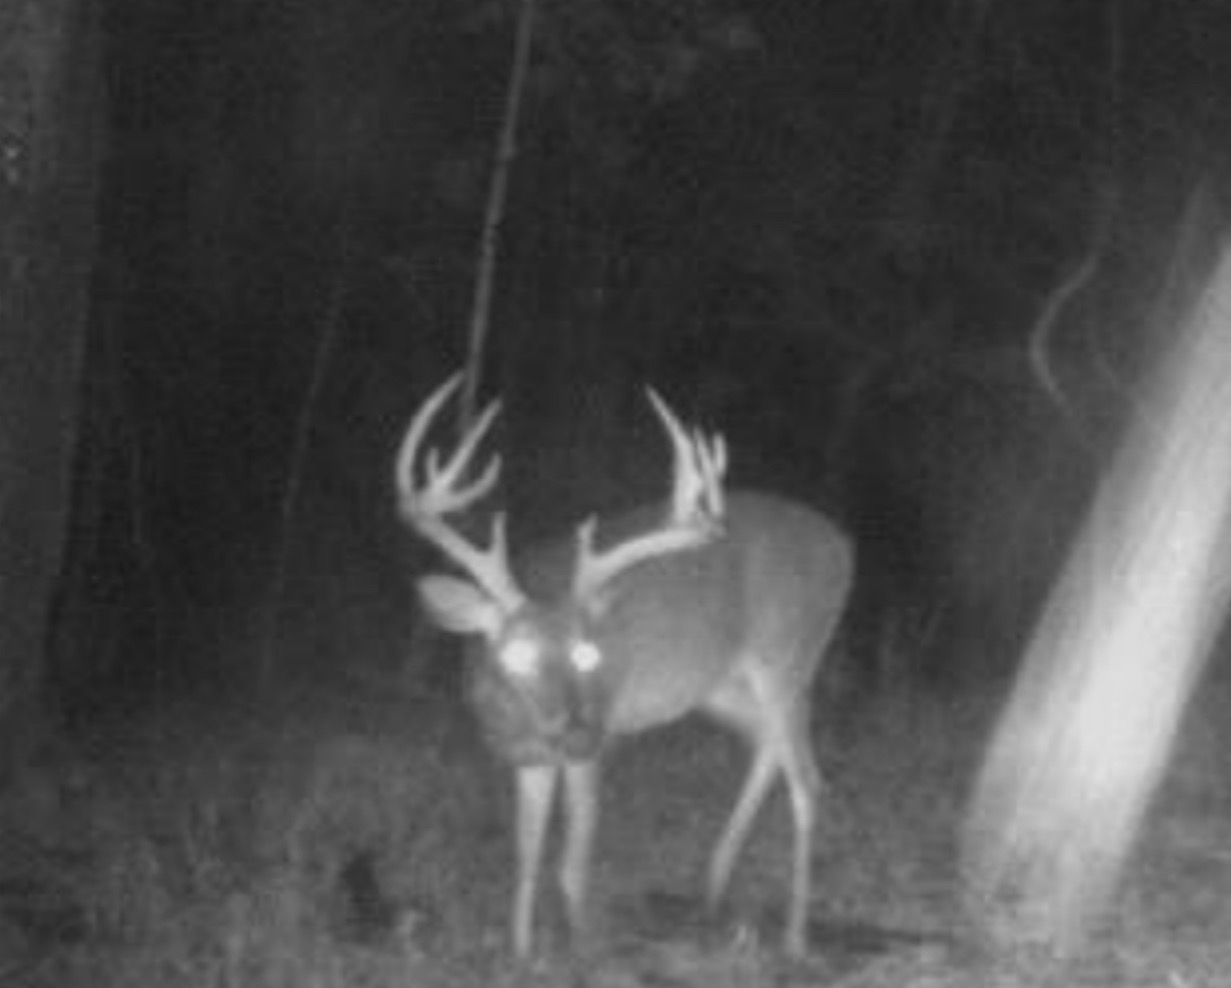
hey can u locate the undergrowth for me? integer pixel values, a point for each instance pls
(321, 848)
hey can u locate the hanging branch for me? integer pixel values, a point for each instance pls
(1042, 333)
(497, 194)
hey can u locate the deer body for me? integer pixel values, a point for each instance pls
(726, 609)
(684, 631)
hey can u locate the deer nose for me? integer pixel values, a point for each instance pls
(570, 733)
(556, 725)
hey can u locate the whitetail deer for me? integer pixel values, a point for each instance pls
(725, 607)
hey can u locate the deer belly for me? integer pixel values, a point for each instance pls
(661, 687)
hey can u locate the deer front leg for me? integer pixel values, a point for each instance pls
(581, 806)
(536, 789)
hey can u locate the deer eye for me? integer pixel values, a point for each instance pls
(585, 656)
(520, 656)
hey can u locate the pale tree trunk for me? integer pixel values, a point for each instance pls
(1087, 735)
(48, 88)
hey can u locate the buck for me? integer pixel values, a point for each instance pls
(722, 604)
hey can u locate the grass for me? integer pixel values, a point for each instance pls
(364, 842)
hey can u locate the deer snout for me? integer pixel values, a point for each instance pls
(572, 734)
(571, 723)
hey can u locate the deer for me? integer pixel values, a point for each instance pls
(719, 603)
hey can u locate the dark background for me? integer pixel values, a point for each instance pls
(830, 229)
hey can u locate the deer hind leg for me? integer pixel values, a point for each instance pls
(536, 790)
(777, 726)
(756, 785)
(803, 780)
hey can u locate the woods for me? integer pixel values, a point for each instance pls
(49, 115)
(919, 262)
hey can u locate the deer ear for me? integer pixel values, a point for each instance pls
(460, 606)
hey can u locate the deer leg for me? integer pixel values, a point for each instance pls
(581, 804)
(536, 788)
(760, 774)
(803, 781)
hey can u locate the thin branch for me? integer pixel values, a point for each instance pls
(506, 152)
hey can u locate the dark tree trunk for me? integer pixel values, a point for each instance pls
(48, 89)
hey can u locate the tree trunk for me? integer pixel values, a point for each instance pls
(48, 92)
(1085, 741)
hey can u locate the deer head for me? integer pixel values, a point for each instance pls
(544, 687)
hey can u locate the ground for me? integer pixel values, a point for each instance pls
(344, 839)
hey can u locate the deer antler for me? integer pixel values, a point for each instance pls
(442, 493)
(695, 516)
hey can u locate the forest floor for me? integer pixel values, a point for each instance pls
(356, 841)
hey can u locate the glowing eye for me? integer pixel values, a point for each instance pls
(520, 657)
(585, 656)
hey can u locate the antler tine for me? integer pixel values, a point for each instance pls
(700, 463)
(696, 510)
(403, 471)
(712, 452)
(443, 480)
(443, 492)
